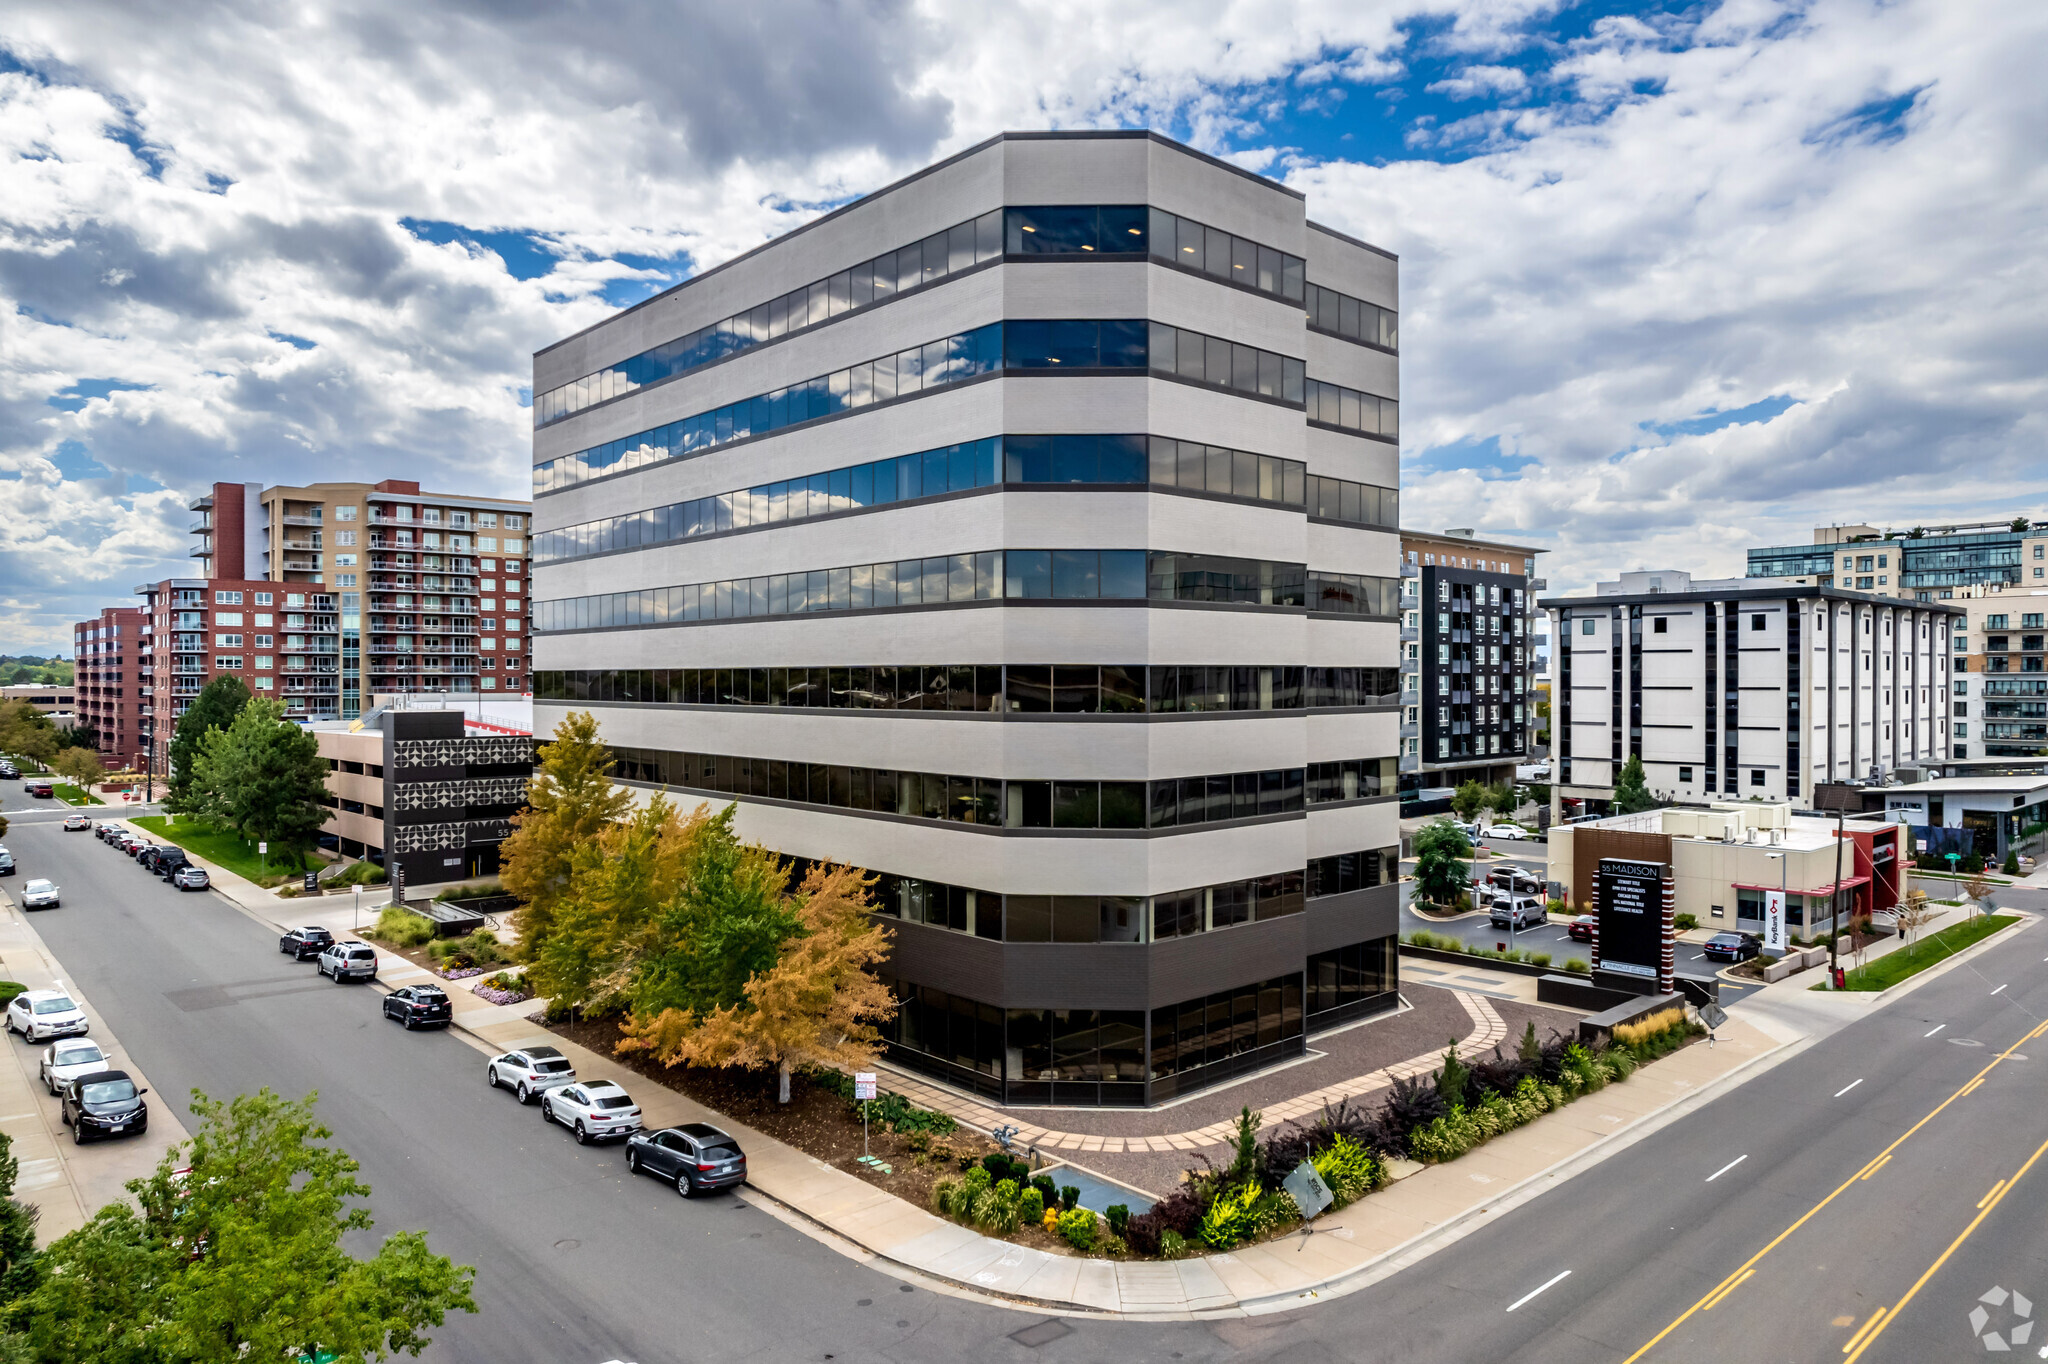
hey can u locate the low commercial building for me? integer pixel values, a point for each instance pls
(1988, 815)
(52, 700)
(1724, 857)
(1743, 687)
(427, 791)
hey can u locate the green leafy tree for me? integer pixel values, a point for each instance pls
(1468, 800)
(1631, 793)
(263, 777)
(1441, 871)
(1503, 800)
(241, 1258)
(81, 767)
(216, 707)
(20, 1268)
(725, 925)
(570, 801)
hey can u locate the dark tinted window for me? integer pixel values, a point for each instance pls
(551, 1067)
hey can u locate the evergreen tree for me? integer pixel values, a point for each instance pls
(216, 707)
(1630, 793)
(263, 777)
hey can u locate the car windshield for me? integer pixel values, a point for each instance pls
(110, 1091)
(36, 886)
(551, 1067)
(60, 1005)
(86, 1055)
(613, 1101)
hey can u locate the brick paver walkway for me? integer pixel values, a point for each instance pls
(1487, 1031)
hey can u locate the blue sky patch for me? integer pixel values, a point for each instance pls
(74, 461)
(295, 342)
(526, 254)
(85, 390)
(1880, 121)
(1483, 457)
(1763, 410)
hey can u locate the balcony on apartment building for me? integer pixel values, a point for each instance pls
(303, 518)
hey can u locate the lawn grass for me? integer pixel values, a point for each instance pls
(220, 847)
(1893, 967)
(71, 795)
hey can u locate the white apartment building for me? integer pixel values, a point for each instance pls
(1743, 687)
(1027, 533)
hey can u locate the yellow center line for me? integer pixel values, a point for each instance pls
(1988, 1197)
(1723, 1293)
(1857, 1339)
(1875, 1166)
(1882, 1156)
(1991, 1202)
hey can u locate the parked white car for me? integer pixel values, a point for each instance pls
(595, 1110)
(529, 1071)
(1513, 832)
(40, 1015)
(40, 893)
(70, 1058)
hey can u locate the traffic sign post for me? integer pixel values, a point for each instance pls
(1310, 1194)
(864, 1090)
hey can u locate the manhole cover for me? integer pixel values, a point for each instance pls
(1044, 1333)
(567, 1245)
(1964, 1042)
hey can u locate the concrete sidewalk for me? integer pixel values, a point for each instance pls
(1373, 1236)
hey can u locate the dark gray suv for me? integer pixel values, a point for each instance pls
(696, 1157)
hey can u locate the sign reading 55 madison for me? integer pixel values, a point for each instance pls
(1631, 900)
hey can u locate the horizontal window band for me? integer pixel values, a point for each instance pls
(1347, 431)
(1114, 346)
(1354, 340)
(986, 830)
(1011, 463)
(1008, 717)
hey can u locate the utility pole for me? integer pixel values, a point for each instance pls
(1835, 898)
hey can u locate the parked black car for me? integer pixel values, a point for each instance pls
(696, 1157)
(102, 1103)
(1732, 946)
(168, 861)
(306, 942)
(418, 1006)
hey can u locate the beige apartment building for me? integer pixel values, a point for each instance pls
(1999, 699)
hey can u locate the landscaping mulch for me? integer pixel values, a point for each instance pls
(816, 1121)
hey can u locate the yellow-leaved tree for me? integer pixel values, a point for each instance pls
(818, 1003)
(569, 803)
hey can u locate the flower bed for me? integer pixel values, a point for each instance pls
(1432, 1119)
(502, 988)
(459, 972)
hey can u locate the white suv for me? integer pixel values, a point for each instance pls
(40, 1015)
(349, 961)
(529, 1071)
(595, 1110)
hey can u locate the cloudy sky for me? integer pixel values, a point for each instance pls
(1677, 278)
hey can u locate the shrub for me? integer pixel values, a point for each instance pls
(2012, 864)
(1445, 1138)
(1119, 1217)
(943, 1192)
(1229, 1218)
(1412, 1104)
(1001, 1165)
(1451, 1078)
(1685, 923)
(1070, 1195)
(978, 1179)
(1349, 1169)
(1578, 964)
(1171, 1244)
(1539, 959)
(1556, 907)
(1048, 1192)
(402, 928)
(1077, 1227)
(1031, 1206)
(477, 892)
(998, 1208)
(1581, 1063)
(1114, 1244)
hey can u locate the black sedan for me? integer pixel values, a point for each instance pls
(696, 1157)
(309, 941)
(102, 1103)
(1732, 946)
(418, 1006)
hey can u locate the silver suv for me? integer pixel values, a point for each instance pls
(349, 961)
(1517, 911)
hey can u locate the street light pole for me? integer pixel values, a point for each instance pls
(1835, 899)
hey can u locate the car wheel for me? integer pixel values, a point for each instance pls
(525, 1095)
(632, 1161)
(547, 1109)
(78, 1134)
(491, 1076)
(582, 1136)
(683, 1183)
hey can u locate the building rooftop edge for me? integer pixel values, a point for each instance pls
(1752, 594)
(1444, 539)
(1043, 135)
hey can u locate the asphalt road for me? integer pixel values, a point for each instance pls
(579, 1263)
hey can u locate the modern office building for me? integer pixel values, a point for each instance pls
(1743, 687)
(109, 686)
(1024, 532)
(1468, 658)
(1999, 699)
(1925, 563)
(429, 791)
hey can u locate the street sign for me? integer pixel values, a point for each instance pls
(312, 882)
(1774, 923)
(1713, 1015)
(864, 1084)
(263, 849)
(1630, 896)
(1311, 1195)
